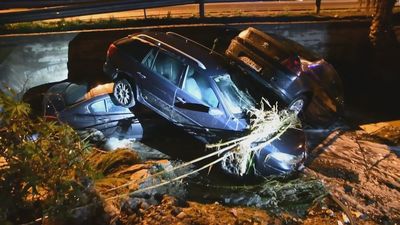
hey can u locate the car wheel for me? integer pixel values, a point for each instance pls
(231, 166)
(298, 105)
(123, 93)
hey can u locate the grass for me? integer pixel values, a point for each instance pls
(232, 17)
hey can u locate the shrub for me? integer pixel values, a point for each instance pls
(43, 171)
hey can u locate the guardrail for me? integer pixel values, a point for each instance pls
(13, 4)
(86, 9)
(68, 8)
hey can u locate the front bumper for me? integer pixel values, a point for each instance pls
(282, 156)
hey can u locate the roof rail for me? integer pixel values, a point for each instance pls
(194, 42)
(199, 63)
(187, 39)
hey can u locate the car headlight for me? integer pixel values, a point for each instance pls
(286, 161)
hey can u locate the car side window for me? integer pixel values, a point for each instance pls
(168, 67)
(113, 108)
(107, 106)
(149, 58)
(199, 87)
(98, 107)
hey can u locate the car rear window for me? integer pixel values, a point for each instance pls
(135, 48)
(264, 43)
(75, 93)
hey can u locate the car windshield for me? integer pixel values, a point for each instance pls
(238, 100)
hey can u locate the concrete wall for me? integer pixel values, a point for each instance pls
(27, 61)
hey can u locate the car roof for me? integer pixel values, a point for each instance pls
(72, 93)
(209, 61)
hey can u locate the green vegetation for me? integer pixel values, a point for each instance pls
(43, 170)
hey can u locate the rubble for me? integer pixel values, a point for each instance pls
(358, 168)
(355, 167)
(362, 173)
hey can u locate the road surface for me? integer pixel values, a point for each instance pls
(211, 9)
(228, 9)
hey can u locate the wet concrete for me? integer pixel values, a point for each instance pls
(27, 62)
(40, 55)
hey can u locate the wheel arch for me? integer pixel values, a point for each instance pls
(307, 95)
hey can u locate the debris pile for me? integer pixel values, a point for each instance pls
(360, 172)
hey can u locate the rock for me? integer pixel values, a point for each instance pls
(133, 219)
(181, 215)
(139, 177)
(348, 188)
(133, 204)
(234, 212)
(356, 214)
(330, 213)
(176, 211)
(345, 218)
(133, 169)
(144, 205)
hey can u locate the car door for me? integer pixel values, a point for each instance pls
(78, 116)
(115, 120)
(196, 105)
(162, 72)
(98, 109)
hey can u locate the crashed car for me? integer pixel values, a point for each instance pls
(300, 78)
(93, 109)
(196, 89)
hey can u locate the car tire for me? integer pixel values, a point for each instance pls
(123, 93)
(230, 167)
(299, 104)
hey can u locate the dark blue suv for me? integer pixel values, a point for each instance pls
(194, 88)
(180, 80)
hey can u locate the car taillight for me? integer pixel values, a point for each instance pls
(293, 63)
(111, 50)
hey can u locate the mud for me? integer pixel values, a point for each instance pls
(361, 172)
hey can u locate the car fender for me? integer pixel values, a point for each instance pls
(291, 86)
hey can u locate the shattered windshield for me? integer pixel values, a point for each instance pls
(238, 100)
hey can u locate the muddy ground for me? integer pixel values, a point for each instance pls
(350, 177)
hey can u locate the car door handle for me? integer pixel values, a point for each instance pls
(141, 75)
(181, 100)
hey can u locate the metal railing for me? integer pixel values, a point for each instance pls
(56, 9)
(68, 8)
